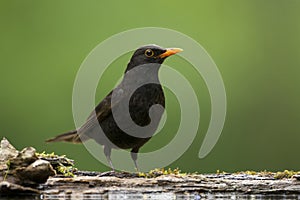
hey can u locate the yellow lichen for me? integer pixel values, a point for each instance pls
(250, 172)
(285, 174)
(60, 163)
(7, 170)
(221, 172)
(161, 171)
(65, 170)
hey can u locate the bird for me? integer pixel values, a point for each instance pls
(126, 118)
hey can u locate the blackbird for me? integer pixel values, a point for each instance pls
(125, 118)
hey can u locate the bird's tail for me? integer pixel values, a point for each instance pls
(71, 136)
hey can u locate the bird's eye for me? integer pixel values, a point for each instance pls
(149, 53)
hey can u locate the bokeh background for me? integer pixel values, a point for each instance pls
(255, 44)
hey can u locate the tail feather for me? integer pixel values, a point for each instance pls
(70, 136)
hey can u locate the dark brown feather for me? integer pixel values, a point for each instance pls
(71, 136)
(140, 102)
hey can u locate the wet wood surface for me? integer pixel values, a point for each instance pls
(25, 172)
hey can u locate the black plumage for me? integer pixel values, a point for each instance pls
(128, 115)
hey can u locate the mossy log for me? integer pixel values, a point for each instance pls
(21, 174)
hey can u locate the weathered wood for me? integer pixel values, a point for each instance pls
(22, 167)
(26, 172)
(195, 183)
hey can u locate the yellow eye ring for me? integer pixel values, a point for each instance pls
(149, 53)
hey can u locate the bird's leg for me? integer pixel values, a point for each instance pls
(107, 153)
(134, 153)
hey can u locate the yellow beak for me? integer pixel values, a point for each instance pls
(169, 52)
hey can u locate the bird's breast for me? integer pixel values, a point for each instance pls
(141, 102)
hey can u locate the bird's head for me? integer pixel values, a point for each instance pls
(150, 54)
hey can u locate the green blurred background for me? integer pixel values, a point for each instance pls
(255, 44)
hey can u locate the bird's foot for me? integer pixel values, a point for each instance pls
(137, 170)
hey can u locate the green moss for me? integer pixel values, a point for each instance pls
(285, 174)
(250, 172)
(276, 175)
(161, 171)
(221, 172)
(6, 173)
(60, 163)
(66, 170)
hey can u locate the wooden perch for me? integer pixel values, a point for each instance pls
(25, 172)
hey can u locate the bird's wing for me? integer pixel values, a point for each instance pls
(102, 110)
